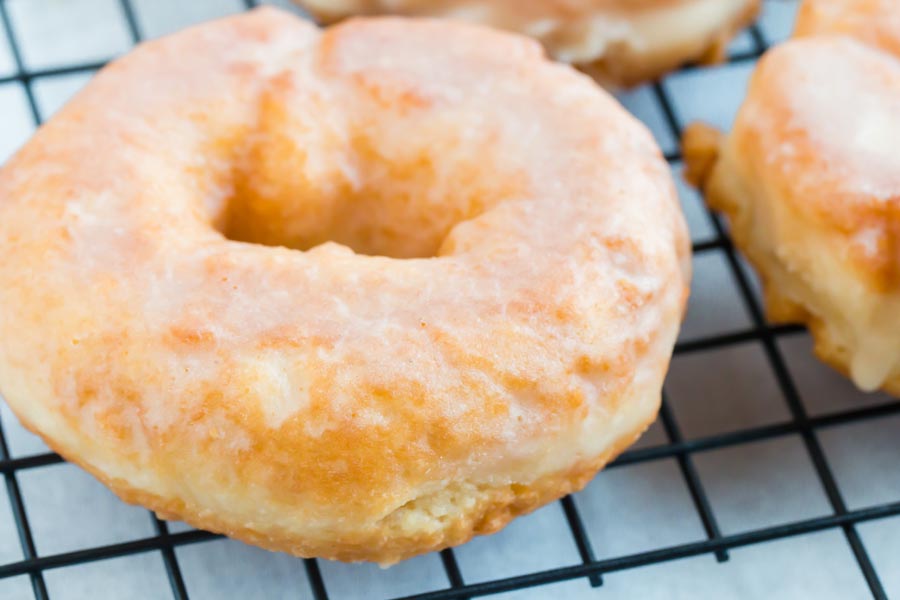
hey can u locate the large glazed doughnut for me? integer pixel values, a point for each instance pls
(810, 178)
(484, 271)
(619, 42)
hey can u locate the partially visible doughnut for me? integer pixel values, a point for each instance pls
(453, 282)
(809, 177)
(619, 42)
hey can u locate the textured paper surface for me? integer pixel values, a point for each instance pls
(626, 510)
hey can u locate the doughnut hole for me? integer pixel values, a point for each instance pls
(369, 164)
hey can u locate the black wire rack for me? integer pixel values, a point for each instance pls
(590, 568)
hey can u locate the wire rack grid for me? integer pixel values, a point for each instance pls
(691, 468)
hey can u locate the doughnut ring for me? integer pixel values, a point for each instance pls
(290, 285)
(810, 180)
(618, 42)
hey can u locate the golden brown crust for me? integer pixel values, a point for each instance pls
(493, 509)
(809, 179)
(700, 147)
(618, 42)
(453, 330)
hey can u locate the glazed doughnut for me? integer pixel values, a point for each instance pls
(358, 293)
(618, 42)
(810, 180)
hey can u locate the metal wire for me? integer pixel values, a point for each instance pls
(590, 568)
